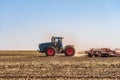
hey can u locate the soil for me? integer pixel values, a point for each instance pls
(33, 65)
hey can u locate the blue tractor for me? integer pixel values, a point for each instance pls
(56, 47)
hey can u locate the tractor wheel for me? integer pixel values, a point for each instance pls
(69, 51)
(50, 51)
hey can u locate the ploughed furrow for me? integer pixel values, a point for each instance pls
(81, 70)
(31, 65)
(70, 77)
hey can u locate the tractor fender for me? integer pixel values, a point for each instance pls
(46, 48)
(66, 47)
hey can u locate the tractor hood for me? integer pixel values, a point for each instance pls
(45, 43)
(43, 46)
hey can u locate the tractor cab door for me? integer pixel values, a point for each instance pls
(57, 42)
(58, 45)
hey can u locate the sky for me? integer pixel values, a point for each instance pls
(83, 23)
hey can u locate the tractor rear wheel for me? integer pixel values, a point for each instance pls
(50, 51)
(69, 51)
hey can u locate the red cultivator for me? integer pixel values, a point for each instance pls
(102, 52)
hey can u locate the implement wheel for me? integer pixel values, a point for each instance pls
(90, 55)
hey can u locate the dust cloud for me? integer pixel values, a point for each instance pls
(72, 40)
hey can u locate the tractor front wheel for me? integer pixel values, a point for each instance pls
(50, 51)
(69, 51)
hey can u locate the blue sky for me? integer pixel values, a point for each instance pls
(85, 23)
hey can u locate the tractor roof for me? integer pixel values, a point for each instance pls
(58, 37)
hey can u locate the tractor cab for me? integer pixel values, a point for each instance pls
(57, 41)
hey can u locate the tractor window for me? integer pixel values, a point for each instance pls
(57, 40)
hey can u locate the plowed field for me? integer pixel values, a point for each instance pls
(31, 65)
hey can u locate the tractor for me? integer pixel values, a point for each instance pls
(56, 47)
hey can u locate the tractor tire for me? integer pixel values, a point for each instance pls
(50, 51)
(69, 51)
